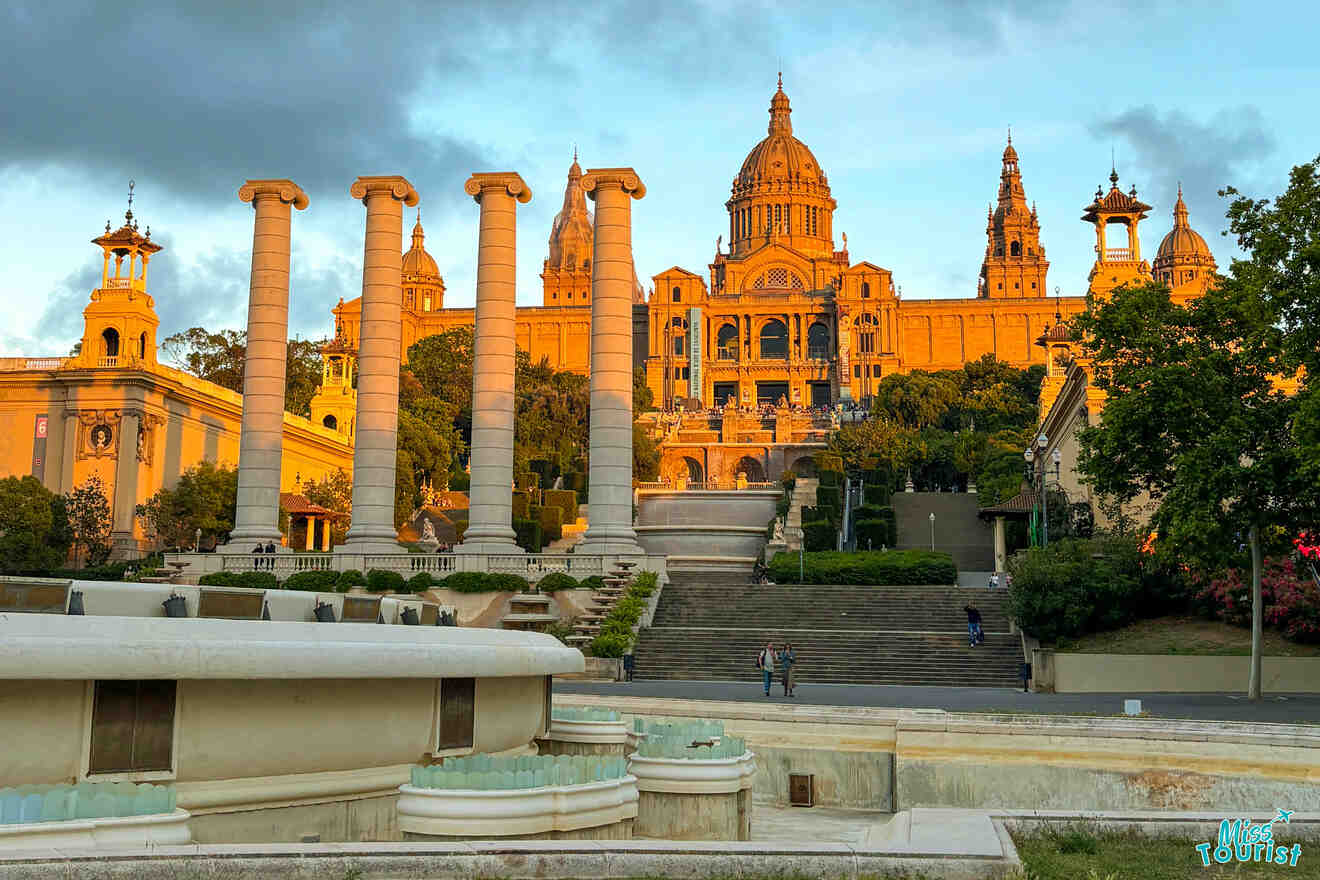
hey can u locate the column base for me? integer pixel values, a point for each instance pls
(609, 542)
(489, 547)
(123, 545)
(244, 541)
(370, 547)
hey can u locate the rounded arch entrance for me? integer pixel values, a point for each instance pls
(695, 473)
(751, 467)
(804, 466)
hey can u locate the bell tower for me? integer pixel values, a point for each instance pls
(334, 405)
(119, 324)
(1117, 254)
(566, 272)
(1015, 264)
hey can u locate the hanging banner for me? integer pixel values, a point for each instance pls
(694, 353)
(39, 447)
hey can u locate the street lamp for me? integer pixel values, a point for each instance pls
(932, 531)
(1037, 475)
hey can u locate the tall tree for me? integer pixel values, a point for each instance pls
(88, 513)
(34, 533)
(1195, 418)
(219, 358)
(915, 400)
(203, 499)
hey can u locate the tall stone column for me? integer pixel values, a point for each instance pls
(261, 443)
(123, 506)
(609, 511)
(490, 514)
(376, 434)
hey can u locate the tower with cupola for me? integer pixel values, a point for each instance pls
(566, 271)
(1117, 252)
(1014, 266)
(119, 324)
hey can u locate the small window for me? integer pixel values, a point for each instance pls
(1015, 285)
(875, 371)
(457, 699)
(1015, 249)
(1033, 285)
(866, 290)
(570, 294)
(1001, 285)
(554, 296)
(857, 371)
(330, 422)
(132, 726)
(677, 294)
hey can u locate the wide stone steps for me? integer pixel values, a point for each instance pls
(846, 634)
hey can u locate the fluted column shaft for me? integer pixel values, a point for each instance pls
(261, 442)
(490, 513)
(609, 512)
(377, 426)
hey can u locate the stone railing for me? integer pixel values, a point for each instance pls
(108, 362)
(704, 486)
(532, 566)
(1118, 253)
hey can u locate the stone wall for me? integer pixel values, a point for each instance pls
(1140, 673)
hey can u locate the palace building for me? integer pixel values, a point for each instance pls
(782, 318)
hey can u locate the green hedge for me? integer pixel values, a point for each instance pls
(460, 527)
(484, 582)
(460, 482)
(552, 523)
(110, 571)
(828, 461)
(565, 499)
(829, 478)
(595, 582)
(252, 580)
(819, 536)
(380, 580)
(878, 524)
(528, 534)
(829, 498)
(894, 568)
(419, 583)
(521, 504)
(616, 630)
(349, 578)
(528, 480)
(556, 581)
(312, 581)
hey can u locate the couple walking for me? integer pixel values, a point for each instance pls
(769, 658)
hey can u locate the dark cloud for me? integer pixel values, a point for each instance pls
(1157, 150)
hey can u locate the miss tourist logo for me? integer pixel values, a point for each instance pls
(1241, 840)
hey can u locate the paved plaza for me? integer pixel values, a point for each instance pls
(1275, 708)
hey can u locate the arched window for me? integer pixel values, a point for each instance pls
(778, 278)
(677, 294)
(866, 290)
(331, 422)
(142, 346)
(774, 341)
(866, 329)
(726, 343)
(336, 368)
(110, 342)
(426, 303)
(1015, 249)
(818, 342)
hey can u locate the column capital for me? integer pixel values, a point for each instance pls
(285, 190)
(623, 178)
(509, 181)
(393, 185)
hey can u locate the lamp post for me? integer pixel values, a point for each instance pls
(1037, 475)
(932, 531)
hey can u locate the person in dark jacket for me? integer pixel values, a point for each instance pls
(787, 658)
(974, 634)
(765, 661)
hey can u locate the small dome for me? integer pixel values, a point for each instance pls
(417, 261)
(1182, 242)
(780, 157)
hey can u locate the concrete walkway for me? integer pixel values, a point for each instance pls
(1297, 708)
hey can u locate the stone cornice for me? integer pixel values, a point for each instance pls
(509, 181)
(285, 190)
(392, 185)
(625, 179)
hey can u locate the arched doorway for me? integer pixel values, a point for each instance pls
(695, 473)
(818, 342)
(330, 422)
(109, 343)
(726, 343)
(804, 466)
(751, 467)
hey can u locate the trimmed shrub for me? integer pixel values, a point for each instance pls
(252, 580)
(380, 580)
(312, 581)
(877, 496)
(894, 568)
(528, 534)
(528, 481)
(595, 582)
(460, 527)
(610, 645)
(819, 536)
(556, 581)
(819, 514)
(521, 504)
(830, 478)
(419, 583)
(829, 498)
(460, 482)
(782, 504)
(552, 523)
(1288, 591)
(110, 571)
(565, 500)
(484, 582)
(350, 578)
(876, 534)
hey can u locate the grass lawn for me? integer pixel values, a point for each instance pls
(1184, 635)
(1078, 854)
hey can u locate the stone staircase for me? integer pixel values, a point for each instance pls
(587, 625)
(708, 630)
(804, 495)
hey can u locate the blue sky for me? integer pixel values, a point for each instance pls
(905, 106)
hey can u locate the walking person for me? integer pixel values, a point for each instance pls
(974, 635)
(765, 661)
(787, 658)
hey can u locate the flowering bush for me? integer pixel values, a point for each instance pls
(1289, 594)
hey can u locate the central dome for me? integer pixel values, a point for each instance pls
(780, 157)
(416, 261)
(1183, 242)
